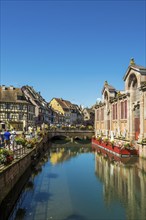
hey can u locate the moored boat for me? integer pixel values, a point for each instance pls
(114, 149)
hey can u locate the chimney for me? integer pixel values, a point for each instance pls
(3, 87)
(11, 87)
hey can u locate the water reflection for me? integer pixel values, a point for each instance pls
(61, 154)
(123, 180)
(71, 183)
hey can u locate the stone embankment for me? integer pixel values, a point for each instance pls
(10, 174)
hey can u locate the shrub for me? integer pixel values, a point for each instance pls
(20, 141)
(112, 143)
(90, 127)
(72, 127)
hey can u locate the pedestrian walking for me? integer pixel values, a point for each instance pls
(1, 140)
(7, 135)
(12, 138)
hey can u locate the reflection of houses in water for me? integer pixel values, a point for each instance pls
(66, 152)
(124, 182)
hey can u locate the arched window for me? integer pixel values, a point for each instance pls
(132, 83)
(105, 95)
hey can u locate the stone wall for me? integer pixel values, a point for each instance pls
(12, 173)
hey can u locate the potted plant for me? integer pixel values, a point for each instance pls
(127, 145)
(82, 127)
(112, 143)
(99, 138)
(8, 156)
(106, 141)
(20, 141)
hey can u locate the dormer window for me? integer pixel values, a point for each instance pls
(20, 97)
(132, 81)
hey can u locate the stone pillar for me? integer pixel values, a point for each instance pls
(131, 118)
(110, 118)
(105, 117)
(118, 118)
(128, 117)
(72, 139)
(141, 135)
(95, 122)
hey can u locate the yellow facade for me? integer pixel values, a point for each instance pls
(56, 106)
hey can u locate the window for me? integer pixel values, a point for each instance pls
(102, 114)
(14, 116)
(20, 107)
(20, 116)
(2, 116)
(20, 97)
(8, 115)
(2, 106)
(97, 115)
(115, 111)
(24, 107)
(8, 106)
(122, 112)
(124, 109)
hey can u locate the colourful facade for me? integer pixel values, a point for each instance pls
(69, 111)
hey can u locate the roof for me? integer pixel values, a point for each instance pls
(140, 69)
(35, 97)
(109, 87)
(65, 104)
(12, 94)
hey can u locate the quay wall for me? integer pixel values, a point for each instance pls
(142, 151)
(10, 175)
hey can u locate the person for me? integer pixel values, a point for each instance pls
(12, 137)
(25, 129)
(7, 135)
(0, 139)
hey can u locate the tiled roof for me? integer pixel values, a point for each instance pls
(36, 97)
(61, 103)
(109, 87)
(11, 94)
(66, 105)
(138, 67)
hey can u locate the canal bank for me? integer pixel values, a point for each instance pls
(12, 176)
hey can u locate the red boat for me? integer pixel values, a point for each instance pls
(115, 150)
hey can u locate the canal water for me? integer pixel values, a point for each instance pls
(73, 183)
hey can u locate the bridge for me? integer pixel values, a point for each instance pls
(72, 134)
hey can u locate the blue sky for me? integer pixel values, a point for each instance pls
(67, 49)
